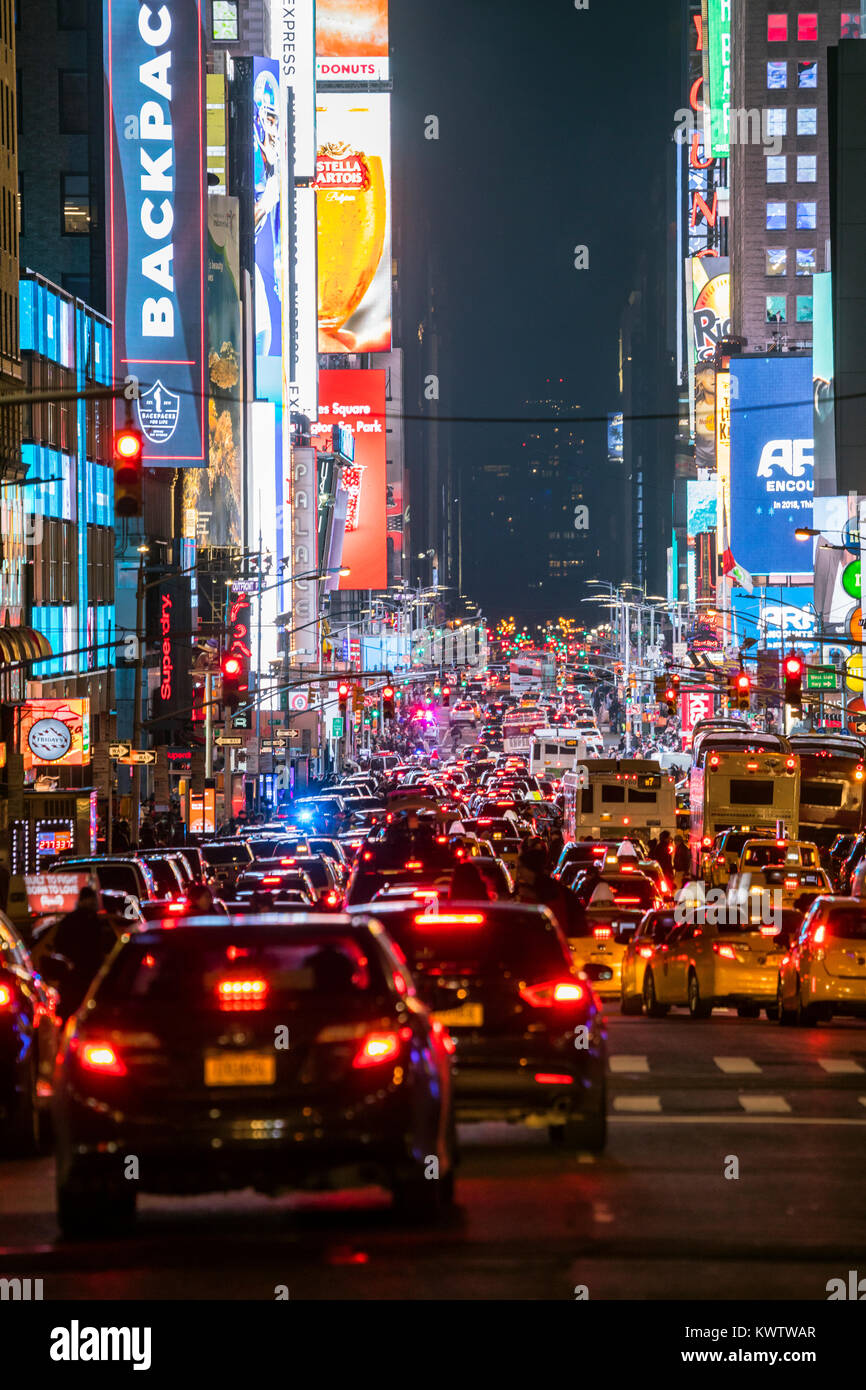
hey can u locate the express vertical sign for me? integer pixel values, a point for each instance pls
(155, 153)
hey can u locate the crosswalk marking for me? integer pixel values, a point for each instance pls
(625, 1061)
(839, 1066)
(638, 1104)
(765, 1105)
(737, 1065)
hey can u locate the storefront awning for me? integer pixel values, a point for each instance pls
(19, 644)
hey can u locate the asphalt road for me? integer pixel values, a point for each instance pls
(655, 1217)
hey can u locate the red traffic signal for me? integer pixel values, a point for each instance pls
(343, 695)
(388, 702)
(234, 679)
(231, 666)
(792, 667)
(744, 690)
(128, 446)
(446, 695)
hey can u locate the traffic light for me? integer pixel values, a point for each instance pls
(446, 695)
(343, 696)
(670, 697)
(232, 674)
(660, 685)
(437, 691)
(792, 666)
(744, 690)
(388, 702)
(128, 445)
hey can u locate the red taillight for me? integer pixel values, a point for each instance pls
(288, 861)
(602, 933)
(770, 931)
(819, 934)
(380, 1047)
(5, 996)
(707, 841)
(449, 919)
(368, 854)
(645, 952)
(177, 907)
(664, 885)
(551, 992)
(270, 879)
(714, 761)
(441, 839)
(791, 763)
(101, 1057)
(553, 1078)
(331, 899)
(413, 864)
(629, 902)
(780, 844)
(447, 1041)
(724, 950)
(242, 994)
(791, 882)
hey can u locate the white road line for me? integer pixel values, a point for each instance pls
(625, 1061)
(765, 1105)
(638, 1104)
(839, 1066)
(737, 1065)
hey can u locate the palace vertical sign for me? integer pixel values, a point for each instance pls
(155, 163)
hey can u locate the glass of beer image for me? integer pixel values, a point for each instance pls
(351, 214)
(352, 478)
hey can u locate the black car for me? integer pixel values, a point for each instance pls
(29, 1031)
(259, 1051)
(529, 1033)
(226, 859)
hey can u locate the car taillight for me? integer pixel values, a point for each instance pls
(449, 919)
(331, 899)
(770, 931)
(242, 994)
(645, 952)
(368, 853)
(100, 1057)
(819, 934)
(791, 882)
(380, 1047)
(288, 861)
(413, 864)
(708, 839)
(553, 1078)
(6, 997)
(602, 933)
(664, 885)
(791, 763)
(629, 902)
(441, 839)
(714, 762)
(724, 950)
(544, 996)
(270, 879)
(177, 907)
(448, 1042)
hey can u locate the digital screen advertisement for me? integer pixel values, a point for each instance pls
(352, 40)
(356, 399)
(54, 733)
(353, 201)
(771, 462)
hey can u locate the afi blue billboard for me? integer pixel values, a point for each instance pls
(156, 208)
(771, 462)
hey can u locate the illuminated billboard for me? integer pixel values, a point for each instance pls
(700, 507)
(54, 733)
(267, 137)
(840, 521)
(297, 43)
(352, 41)
(718, 40)
(614, 437)
(710, 323)
(771, 462)
(353, 203)
(723, 459)
(155, 163)
(823, 383)
(357, 399)
(780, 618)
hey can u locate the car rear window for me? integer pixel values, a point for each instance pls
(846, 924)
(209, 975)
(227, 853)
(471, 937)
(631, 890)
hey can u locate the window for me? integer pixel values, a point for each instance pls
(807, 28)
(777, 168)
(777, 120)
(807, 120)
(806, 260)
(776, 261)
(804, 308)
(850, 24)
(777, 76)
(73, 103)
(75, 204)
(72, 14)
(777, 28)
(776, 306)
(806, 217)
(777, 216)
(807, 73)
(807, 168)
(225, 20)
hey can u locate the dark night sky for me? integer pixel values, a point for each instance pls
(554, 125)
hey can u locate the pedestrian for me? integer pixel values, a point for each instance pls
(83, 938)
(663, 855)
(147, 834)
(682, 861)
(533, 884)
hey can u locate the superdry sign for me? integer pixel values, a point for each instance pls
(156, 207)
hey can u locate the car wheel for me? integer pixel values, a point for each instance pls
(772, 1012)
(23, 1134)
(805, 1015)
(630, 1004)
(588, 1133)
(749, 1011)
(785, 1016)
(698, 1007)
(85, 1213)
(653, 1008)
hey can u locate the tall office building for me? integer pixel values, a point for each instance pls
(780, 208)
(847, 128)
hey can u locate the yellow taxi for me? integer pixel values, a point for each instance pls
(823, 974)
(652, 930)
(723, 857)
(611, 918)
(789, 869)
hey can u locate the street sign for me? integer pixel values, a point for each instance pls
(680, 651)
(851, 579)
(822, 678)
(337, 726)
(147, 756)
(298, 699)
(119, 750)
(229, 740)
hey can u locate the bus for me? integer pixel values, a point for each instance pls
(555, 751)
(609, 797)
(532, 673)
(832, 780)
(741, 779)
(518, 726)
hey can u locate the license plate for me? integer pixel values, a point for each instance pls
(240, 1069)
(467, 1016)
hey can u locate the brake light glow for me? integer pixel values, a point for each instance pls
(791, 882)
(413, 864)
(602, 933)
(545, 995)
(751, 767)
(714, 760)
(707, 841)
(101, 1057)
(770, 931)
(449, 919)
(553, 1078)
(664, 885)
(368, 854)
(270, 878)
(858, 773)
(331, 899)
(288, 861)
(380, 1047)
(724, 950)
(790, 764)
(781, 843)
(441, 839)
(819, 934)
(645, 952)
(242, 989)
(5, 996)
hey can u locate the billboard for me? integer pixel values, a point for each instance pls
(301, 362)
(710, 322)
(54, 733)
(212, 496)
(771, 462)
(297, 44)
(781, 618)
(823, 375)
(352, 41)
(614, 437)
(357, 399)
(155, 163)
(840, 522)
(268, 144)
(700, 506)
(723, 459)
(718, 41)
(353, 204)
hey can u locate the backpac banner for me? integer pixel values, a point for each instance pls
(155, 167)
